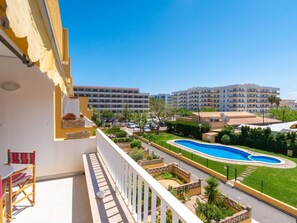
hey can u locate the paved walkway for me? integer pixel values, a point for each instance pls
(261, 212)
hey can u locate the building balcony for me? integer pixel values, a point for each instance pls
(131, 194)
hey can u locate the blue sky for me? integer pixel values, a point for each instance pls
(168, 45)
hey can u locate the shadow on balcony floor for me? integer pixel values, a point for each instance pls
(111, 208)
(61, 201)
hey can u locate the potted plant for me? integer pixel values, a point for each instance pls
(70, 121)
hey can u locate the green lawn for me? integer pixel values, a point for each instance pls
(278, 183)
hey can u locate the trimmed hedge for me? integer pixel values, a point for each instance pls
(187, 129)
(119, 140)
(135, 143)
(258, 138)
(120, 134)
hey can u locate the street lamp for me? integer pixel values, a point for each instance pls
(179, 158)
(263, 116)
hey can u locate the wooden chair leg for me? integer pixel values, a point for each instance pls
(10, 198)
(1, 210)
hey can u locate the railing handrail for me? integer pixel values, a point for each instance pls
(182, 211)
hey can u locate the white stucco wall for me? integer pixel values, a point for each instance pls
(27, 122)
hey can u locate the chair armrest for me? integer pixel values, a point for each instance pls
(24, 169)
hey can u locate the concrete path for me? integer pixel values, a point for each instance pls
(261, 212)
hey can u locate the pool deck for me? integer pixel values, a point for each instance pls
(286, 163)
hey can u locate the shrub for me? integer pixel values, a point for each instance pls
(225, 139)
(113, 130)
(69, 116)
(136, 154)
(120, 134)
(187, 128)
(120, 140)
(152, 156)
(135, 144)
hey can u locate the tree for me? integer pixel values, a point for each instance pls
(211, 190)
(208, 109)
(96, 116)
(277, 101)
(126, 113)
(160, 111)
(271, 99)
(107, 114)
(285, 114)
(182, 112)
(140, 118)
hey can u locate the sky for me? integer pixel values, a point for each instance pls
(161, 46)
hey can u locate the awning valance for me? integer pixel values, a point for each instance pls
(26, 20)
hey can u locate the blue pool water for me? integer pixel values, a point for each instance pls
(226, 152)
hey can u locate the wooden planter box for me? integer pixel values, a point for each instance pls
(73, 123)
(78, 135)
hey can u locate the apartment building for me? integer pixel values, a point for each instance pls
(240, 97)
(167, 98)
(291, 103)
(114, 98)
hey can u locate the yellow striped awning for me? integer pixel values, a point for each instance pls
(26, 21)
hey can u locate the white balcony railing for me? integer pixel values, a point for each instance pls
(130, 179)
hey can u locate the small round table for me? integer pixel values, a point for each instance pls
(6, 171)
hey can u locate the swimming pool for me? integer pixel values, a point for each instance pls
(226, 152)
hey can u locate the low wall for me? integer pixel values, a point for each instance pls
(267, 199)
(186, 176)
(240, 217)
(219, 176)
(145, 164)
(158, 170)
(171, 168)
(243, 214)
(64, 158)
(191, 189)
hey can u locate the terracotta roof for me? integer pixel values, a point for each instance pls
(256, 120)
(228, 114)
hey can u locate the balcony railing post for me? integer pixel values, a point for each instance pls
(163, 211)
(153, 207)
(129, 178)
(130, 183)
(139, 200)
(134, 192)
(146, 201)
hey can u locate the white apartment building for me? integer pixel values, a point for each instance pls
(114, 98)
(239, 97)
(167, 98)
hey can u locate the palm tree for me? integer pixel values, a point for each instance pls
(272, 99)
(277, 101)
(211, 190)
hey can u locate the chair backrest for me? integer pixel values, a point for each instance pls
(21, 158)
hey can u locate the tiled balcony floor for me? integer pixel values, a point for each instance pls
(61, 201)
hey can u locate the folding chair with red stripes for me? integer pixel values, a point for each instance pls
(23, 179)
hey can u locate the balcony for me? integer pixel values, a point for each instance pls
(132, 194)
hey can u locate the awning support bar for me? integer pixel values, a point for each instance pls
(23, 57)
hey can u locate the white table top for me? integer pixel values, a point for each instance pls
(6, 171)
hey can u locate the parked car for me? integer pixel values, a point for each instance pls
(153, 126)
(131, 125)
(146, 129)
